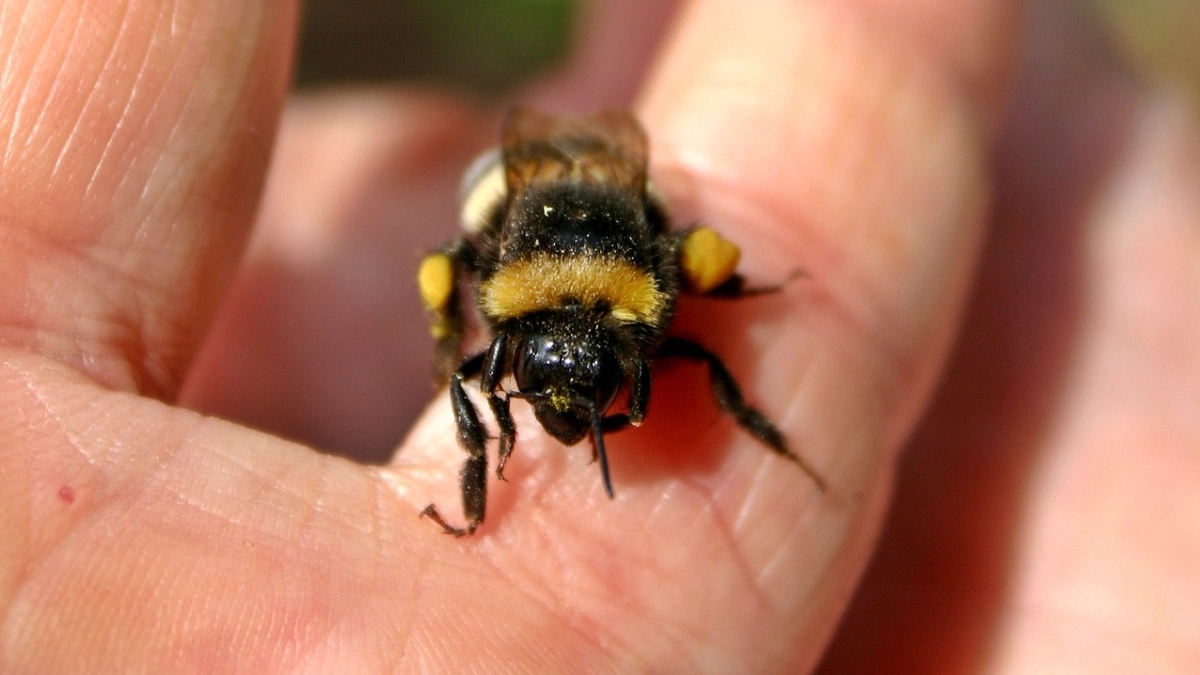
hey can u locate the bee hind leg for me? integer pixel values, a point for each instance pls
(729, 398)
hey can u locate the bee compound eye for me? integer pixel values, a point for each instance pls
(608, 380)
(529, 365)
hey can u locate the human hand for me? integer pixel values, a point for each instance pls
(1045, 518)
(145, 536)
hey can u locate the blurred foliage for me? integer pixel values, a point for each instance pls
(486, 46)
(1162, 37)
(490, 46)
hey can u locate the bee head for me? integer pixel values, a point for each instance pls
(570, 378)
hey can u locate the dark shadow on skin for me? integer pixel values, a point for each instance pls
(685, 433)
(933, 596)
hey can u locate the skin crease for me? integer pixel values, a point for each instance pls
(858, 140)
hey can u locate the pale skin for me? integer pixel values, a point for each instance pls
(1046, 493)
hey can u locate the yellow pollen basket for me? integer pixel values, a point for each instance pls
(435, 278)
(708, 259)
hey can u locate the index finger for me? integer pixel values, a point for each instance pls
(814, 137)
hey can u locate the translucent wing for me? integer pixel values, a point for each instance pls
(607, 147)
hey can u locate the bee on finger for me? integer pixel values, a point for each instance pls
(576, 276)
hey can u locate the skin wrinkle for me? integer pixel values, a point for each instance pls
(31, 236)
(170, 171)
(261, 138)
(138, 347)
(729, 531)
(243, 84)
(20, 576)
(133, 94)
(165, 164)
(727, 491)
(375, 527)
(171, 366)
(175, 171)
(588, 631)
(251, 134)
(166, 456)
(712, 513)
(7, 45)
(665, 498)
(177, 8)
(365, 595)
(294, 651)
(311, 633)
(793, 538)
(283, 483)
(34, 67)
(399, 626)
(593, 630)
(90, 87)
(314, 503)
(277, 627)
(187, 496)
(36, 561)
(742, 521)
(419, 584)
(786, 541)
(127, 336)
(44, 403)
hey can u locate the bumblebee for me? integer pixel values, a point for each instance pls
(576, 275)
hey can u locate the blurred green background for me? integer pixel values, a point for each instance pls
(482, 46)
(488, 47)
(1161, 37)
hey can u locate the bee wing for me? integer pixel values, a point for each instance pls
(608, 147)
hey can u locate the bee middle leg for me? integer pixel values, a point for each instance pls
(639, 401)
(708, 263)
(736, 287)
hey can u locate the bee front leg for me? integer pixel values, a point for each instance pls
(508, 430)
(495, 365)
(473, 439)
(639, 402)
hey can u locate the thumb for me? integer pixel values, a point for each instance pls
(135, 139)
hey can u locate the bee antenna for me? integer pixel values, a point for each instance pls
(598, 441)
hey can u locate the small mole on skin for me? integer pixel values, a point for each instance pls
(66, 494)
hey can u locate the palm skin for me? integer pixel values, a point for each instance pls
(861, 142)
